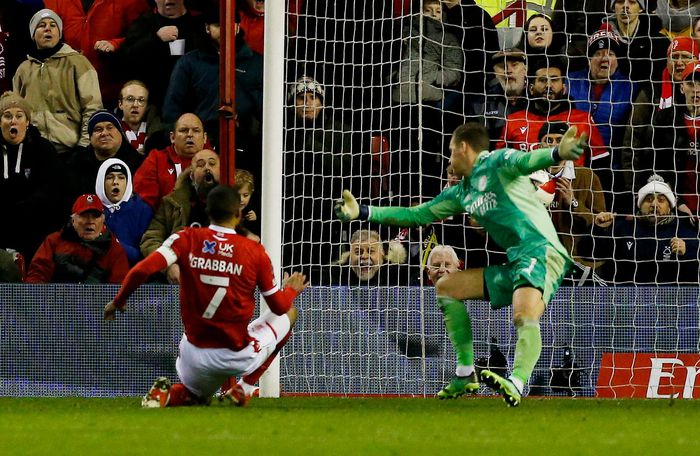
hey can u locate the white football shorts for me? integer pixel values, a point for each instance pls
(204, 370)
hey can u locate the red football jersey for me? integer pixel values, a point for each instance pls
(522, 129)
(219, 271)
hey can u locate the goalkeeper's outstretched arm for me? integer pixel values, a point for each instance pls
(570, 148)
(444, 205)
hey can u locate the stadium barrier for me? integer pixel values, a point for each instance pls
(350, 341)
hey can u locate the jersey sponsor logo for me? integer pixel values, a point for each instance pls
(215, 265)
(482, 204)
(649, 375)
(225, 249)
(209, 247)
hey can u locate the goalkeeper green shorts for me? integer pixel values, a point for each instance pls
(542, 267)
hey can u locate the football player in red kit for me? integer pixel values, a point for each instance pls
(219, 271)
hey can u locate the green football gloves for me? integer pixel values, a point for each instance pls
(346, 208)
(571, 147)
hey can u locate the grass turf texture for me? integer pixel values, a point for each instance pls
(322, 425)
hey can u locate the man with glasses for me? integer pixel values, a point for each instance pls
(139, 118)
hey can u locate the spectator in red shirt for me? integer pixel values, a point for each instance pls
(84, 251)
(97, 31)
(548, 103)
(157, 175)
(220, 271)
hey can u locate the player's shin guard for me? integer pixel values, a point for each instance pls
(254, 376)
(527, 349)
(459, 328)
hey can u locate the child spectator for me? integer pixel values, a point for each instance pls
(126, 214)
(245, 183)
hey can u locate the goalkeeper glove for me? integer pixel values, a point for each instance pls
(570, 147)
(347, 208)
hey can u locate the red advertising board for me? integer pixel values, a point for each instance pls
(649, 375)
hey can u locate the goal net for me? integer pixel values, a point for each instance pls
(373, 91)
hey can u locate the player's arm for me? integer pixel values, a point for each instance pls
(156, 261)
(440, 207)
(278, 300)
(525, 163)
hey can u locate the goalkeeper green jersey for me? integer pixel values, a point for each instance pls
(498, 195)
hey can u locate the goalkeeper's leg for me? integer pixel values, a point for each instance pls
(528, 307)
(451, 290)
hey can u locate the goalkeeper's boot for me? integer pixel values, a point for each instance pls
(459, 386)
(236, 395)
(159, 394)
(501, 385)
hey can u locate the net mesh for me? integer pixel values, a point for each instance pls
(347, 341)
(396, 84)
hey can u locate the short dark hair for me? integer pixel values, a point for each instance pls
(539, 62)
(223, 203)
(474, 134)
(552, 128)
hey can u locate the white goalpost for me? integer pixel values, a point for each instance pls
(273, 106)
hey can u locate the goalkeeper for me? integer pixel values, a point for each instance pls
(496, 191)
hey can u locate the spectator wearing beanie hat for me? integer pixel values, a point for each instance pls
(84, 251)
(126, 214)
(655, 247)
(96, 29)
(106, 141)
(59, 83)
(604, 92)
(28, 167)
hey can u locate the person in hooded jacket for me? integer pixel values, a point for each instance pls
(126, 214)
(28, 167)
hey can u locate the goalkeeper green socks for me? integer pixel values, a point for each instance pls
(459, 328)
(527, 349)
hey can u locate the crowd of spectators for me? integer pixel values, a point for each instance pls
(119, 99)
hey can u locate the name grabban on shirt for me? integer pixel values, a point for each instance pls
(212, 264)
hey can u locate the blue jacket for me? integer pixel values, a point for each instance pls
(611, 113)
(128, 222)
(129, 217)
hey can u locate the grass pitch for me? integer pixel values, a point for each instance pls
(322, 425)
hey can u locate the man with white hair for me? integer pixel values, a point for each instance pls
(655, 247)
